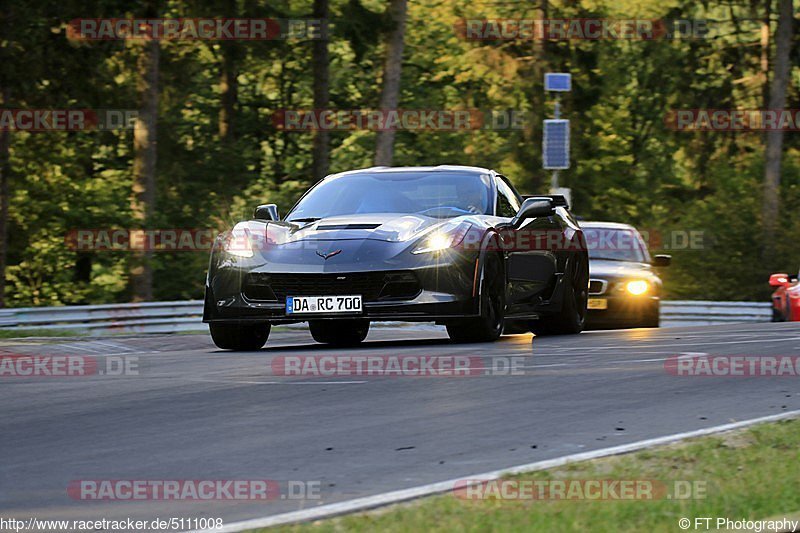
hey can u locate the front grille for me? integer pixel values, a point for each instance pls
(597, 286)
(372, 286)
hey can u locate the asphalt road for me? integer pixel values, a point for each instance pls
(193, 412)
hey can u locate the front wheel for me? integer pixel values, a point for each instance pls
(244, 337)
(339, 332)
(489, 325)
(572, 317)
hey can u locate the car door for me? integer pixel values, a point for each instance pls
(530, 265)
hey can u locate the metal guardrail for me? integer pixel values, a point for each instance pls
(171, 317)
(149, 317)
(703, 312)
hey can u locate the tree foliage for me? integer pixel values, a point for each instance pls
(627, 165)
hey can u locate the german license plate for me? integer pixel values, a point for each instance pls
(298, 305)
(597, 303)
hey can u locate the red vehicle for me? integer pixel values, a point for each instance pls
(786, 298)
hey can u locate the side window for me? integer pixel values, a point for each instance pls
(507, 204)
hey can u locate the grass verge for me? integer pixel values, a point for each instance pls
(22, 333)
(750, 474)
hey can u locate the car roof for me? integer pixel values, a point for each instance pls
(607, 225)
(439, 168)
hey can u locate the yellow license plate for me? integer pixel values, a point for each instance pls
(597, 303)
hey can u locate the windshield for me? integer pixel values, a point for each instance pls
(435, 194)
(615, 245)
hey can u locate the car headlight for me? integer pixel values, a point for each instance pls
(237, 242)
(637, 287)
(443, 239)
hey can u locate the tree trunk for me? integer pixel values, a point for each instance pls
(5, 176)
(229, 92)
(392, 69)
(764, 60)
(228, 83)
(321, 68)
(777, 101)
(144, 165)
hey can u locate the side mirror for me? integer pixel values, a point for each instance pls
(266, 212)
(779, 280)
(662, 260)
(533, 208)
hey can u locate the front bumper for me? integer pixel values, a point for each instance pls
(622, 310)
(446, 289)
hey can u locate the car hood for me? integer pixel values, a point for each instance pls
(388, 227)
(618, 269)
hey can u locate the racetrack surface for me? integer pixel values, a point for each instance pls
(196, 412)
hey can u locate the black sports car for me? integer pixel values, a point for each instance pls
(448, 244)
(624, 291)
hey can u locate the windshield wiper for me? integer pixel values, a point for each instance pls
(307, 219)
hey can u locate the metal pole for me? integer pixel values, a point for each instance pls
(557, 113)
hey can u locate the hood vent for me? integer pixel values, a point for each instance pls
(347, 226)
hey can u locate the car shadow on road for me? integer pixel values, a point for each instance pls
(364, 346)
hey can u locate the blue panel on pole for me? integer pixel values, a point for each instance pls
(557, 81)
(555, 144)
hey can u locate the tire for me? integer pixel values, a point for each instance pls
(488, 326)
(243, 337)
(571, 319)
(339, 332)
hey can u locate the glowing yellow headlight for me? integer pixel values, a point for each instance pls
(637, 287)
(438, 241)
(237, 242)
(443, 238)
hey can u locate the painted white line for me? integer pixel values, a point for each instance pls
(114, 345)
(639, 360)
(134, 353)
(237, 382)
(591, 349)
(682, 355)
(301, 382)
(79, 346)
(387, 498)
(604, 362)
(123, 353)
